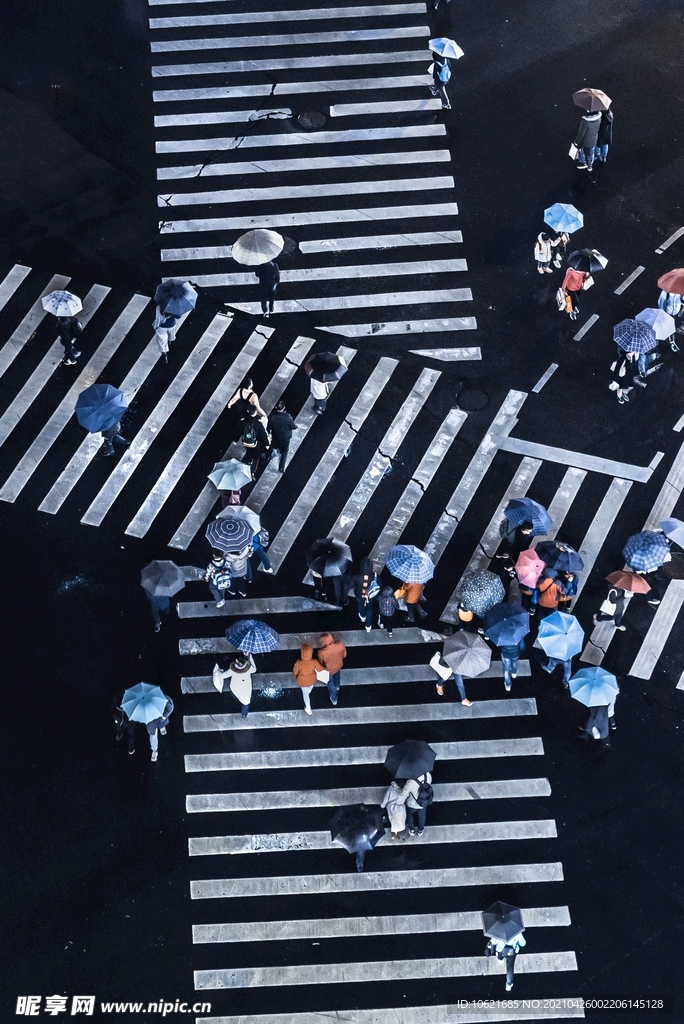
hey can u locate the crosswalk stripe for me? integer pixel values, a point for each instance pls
(235, 67)
(286, 842)
(595, 536)
(9, 285)
(351, 927)
(305, 217)
(252, 606)
(189, 446)
(334, 188)
(503, 422)
(449, 355)
(592, 463)
(266, 17)
(322, 163)
(389, 299)
(420, 238)
(653, 643)
(559, 505)
(150, 429)
(24, 332)
(506, 789)
(455, 323)
(385, 107)
(219, 117)
(293, 641)
(382, 970)
(270, 477)
(359, 35)
(555, 1009)
(361, 716)
(331, 138)
(375, 881)
(351, 272)
(529, 746)
(322, 474)
(229, 92)
(30, 460)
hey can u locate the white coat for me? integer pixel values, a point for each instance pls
(395, 802)
(542, 250)
(240, 682)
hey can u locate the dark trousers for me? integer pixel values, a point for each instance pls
(415, 817)
(387, 621)
(157, 605)
(238, 585)
(339, 586)
(283, 448)
(128, 728)
(68, 346)
(267, 295)
(411, 610)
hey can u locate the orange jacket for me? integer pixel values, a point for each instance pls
(549, 593)
(306, 667)
(331, 653)
(411, 592)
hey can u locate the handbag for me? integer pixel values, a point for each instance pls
(573, 151)
(587, 283)
(440, 666)
(608, 607)
(217, 678)
(323, 676)
(568, 304)
(560, 300)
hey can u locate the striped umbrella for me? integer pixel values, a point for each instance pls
(252, 637)
(229, 534)
(410, 564)
(646, 551)
(479, 591)
(635, 336)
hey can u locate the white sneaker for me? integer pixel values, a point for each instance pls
(362, 618)
(308, 711)
(269, 571)
(368, 629)
(162, 732)
(220, 604)
(155, 754)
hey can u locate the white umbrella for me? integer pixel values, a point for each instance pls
(61, 303)
(258, 246)
(244, 513)
(446, 47)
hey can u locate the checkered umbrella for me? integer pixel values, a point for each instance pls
(594, 687)
(634, 336)
(467, 653)
(479, 591)
(506, 624)
(662, 323)
(410, 564)
(229, 534)
(560, 556)
(252, 637)
(521, 510)
(646, 551)
(560, 635)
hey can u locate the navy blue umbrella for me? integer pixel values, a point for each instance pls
(252, 636)
(100, 407)
(560, 556)
(175, 297)
(506, 624)
(646, 551)
(635, 336)
(522, 510)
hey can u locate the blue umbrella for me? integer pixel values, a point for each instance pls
(410, 564)
(635, 336)
(594, 687)
(506, 624)
(446, 47)
(560, 556)
(563, 217)
(144, 702)
(521, 510)
(230, 533)
(175, 297)
(252, 637)
(560, 636)
(479, 591)
(646, 551)
(99, 407)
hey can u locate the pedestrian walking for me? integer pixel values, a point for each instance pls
(561, 245)
(259, 544)
(320, 391)
(441, 76)
(366, 590)
(331, 654)
(604, 139)
(280, 427)
(244, 398)
(506, 949)
(254, 439)
(112, 435)
(547, 593)
(514, 539)
(553, 663)
(269, 278)
(394, 803)
(509, 660)
(586, 139)
(418, 795)
(218, 576)
(612, 608)
(543, 252)
(412, 595)
(568, 582)
(159, 725)
(388, 606)
(307, 671)
(596, 726)
(445, 672)
(240, 673)
(159, 605)
(621, 377)
(238, 564)
(164, 331)
(124, 726)
(671, 303)
(68, 330)
(573, 283)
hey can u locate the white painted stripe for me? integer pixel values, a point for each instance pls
(17, 274)
(456, 323)
(353, 927)
(503, 422)
(24, 332)
(252, 606)
(270, 477)
(659, 630)
(595, 536)
(680, 684)
(323, 163)
(279, 220)
(353, 272)
(448, 355)
(189, 446)
(231, 92)
(31, 459)
(27, 395)
(669, 241)
(420, 238)
(338, 302)
(561, 502)
(679, 424)
(334, 188)
(149, 431)
(236, 67)
(449, 712)
(295, 138)
(566, 1007)
(629, 280)
(529, 746)
(220, 117)
(323, 472)
(583, 330)
(285, 799)
(385, 107)
(544, 378)
(293, 641)
(362, 35)
(592, 463)
(267, 17)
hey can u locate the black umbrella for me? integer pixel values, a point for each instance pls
(409, 759)
(588, 261)
(329, 557)
(325, 366)
(560, 556)
(502, 921)
(357, 828)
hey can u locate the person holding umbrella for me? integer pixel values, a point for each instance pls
(543, 251)
(240, 672)
(64, 306)
(443, 49)
(160, 580)
(394, 804)
(564, 219)
(358, 829)
(506, 625)
(218, 577)
(148, 704)
(280, 426)
(259, 540)
(330, 560)
(99, 409)
(123, 724)
(463, 654)
(413, 760)
(268, 275)
(597, 690)
(323, 369)
(503, 925)
(638, 340)
(259, 248)
(560, 636)
(478, 591)
(233, 535)
(605, 136)
(173, 299)
(662, 323)
(229, 478)
(366, 588)
(414, 568)
(593, 101)
(388, 606)
(547, 593)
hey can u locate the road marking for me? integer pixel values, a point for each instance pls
(388, 241)
(385, 107)
(280, 220)
(591, 463)
(252, 606)
(444, 1014)
(299, 139)
(629, 280)
(62, 415)
(561, 502)
(150, 429)
(544, 378)
(323, 472)
(293, 641)
(448, 354)
(680, 684)
(320, 163)
(193, 438)
(349, 272)
(589, 324)
(659, 630)
(599, 528)
(669, 241)
(338, 302)
(230, 92)
(530, 746)
(266, 17)
(362, 35)
(17, 274)
(219, 117)
(458, 323)
(503, 422)
(335, 188)
(285, 799)
(24, 332)
(679, 424)
(235, 67)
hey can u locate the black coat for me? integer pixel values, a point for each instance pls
(262, 436)
(268, 274)
(588, 131)
(281, 426)
(605, 132)
(68, 328)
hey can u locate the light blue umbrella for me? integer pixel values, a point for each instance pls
(594, 687)
(410, 564)
(144, 702)
(252, 637)
(506, 624)
(560, 636)
(646, 551)
(446, 47)
(673, 530)
(564, 217)
(661, 322)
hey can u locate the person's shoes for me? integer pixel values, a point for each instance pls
(162, 732)
(68, 362)
(308, 711)
(625, 398)
(509, 987)
(132, 751)
(108, 451)
(640, 381)
(582, 167)
(621, 399)
(266, 315)
(368, 629)
(505, 555)
(613, 726)
(507, 684)
(654, 602)
(433, 89)
(359, 867)
(157, 627)
(412, 831)
(545, 668)
(362, 618)
(514, 675)
(166, 357)
(269, 571)
(155, 755)
(220, 604)
(547, 270)
(440, 689)
(540, 270)
(231, 592)
(621, 628)
(468, 703)
(390, 632)
(607, 745)
(446, 106)
(674, 346)
(333, 702)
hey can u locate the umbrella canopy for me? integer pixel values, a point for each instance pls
(560, 636)
(446, 47)
(467, 654)
(588, 261)
(673, 281)
(634, 336)
(591, 99)
(521, 510)
(357, 828)
(244, 513)
(662, 323)
(594, 687)
(673, 530)
(175, 297)
(99, 407)
(144, 702)
(329, 557)
(252, 637)
(646, 551)
(558, 555)
(325, 366)
(162, 579)
(479, 591)
(502, 921)
(231, 534)
(529, 568)
(628, 581)
(563, 217)
(409, 759)
(506, 624)
(410, 564)
(257, 246)
(61, 303)
(230, 475)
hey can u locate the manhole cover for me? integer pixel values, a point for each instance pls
(311, 120)
(471, 401)
(290, 246)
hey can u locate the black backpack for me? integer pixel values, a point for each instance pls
(426, 794)
(250, 437)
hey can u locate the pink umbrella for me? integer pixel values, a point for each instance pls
(529, 567)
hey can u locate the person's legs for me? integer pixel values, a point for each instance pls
(550, 665)
(306, 697)
(458, 679)
(130, 736)
(154, 744)
(411, 820)
(271, 298)
(263, 557)
(567, 672)
(387, 622)
(320, 405)
(421, 815)
(589, 157)
(510, 965)
(244, 710)
(218, 595)
(360, 857)
(334, 687)
(239, 586)
(506, 661)
(283, 457)
(422, 614)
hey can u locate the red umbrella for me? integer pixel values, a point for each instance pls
(673, 281)
(529, 567)
(629, 581)
(591, 99)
